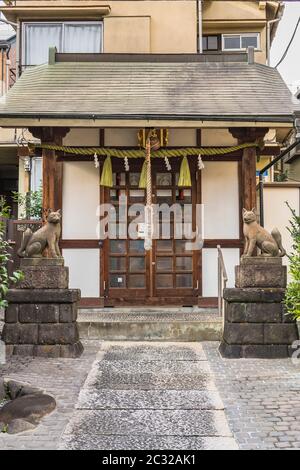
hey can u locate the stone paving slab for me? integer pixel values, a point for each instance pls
(93, 423)
(90, 399)
(167, 351)
(150, 381)
(166, 367)
(150, 443)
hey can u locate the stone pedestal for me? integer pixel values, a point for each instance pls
(256, 323)
(41, 319)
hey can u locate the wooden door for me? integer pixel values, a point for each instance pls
(176, 273)
(166, 274)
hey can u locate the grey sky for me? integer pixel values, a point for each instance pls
(290, 67)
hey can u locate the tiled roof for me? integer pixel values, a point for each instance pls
(151, 90)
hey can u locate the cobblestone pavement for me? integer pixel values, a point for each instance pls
(261, 398)
(105, 391)
(61, 378)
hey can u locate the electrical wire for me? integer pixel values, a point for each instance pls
(289, 44)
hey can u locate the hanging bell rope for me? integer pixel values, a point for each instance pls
(148, 208)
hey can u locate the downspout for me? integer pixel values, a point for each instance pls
(269, 23)
(269, 39)
(199, 26)
(18, 50)
(266, 168)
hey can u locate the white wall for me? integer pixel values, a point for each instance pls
(81, 197)
(84, 266)
(220, 196)
(276, 212)
(210, 269)
(81, 193)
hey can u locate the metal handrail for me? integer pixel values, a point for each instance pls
(222, 280)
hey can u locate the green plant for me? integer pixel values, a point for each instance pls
(5, 256)
(281, 177)
(31, 204)
(292, 297)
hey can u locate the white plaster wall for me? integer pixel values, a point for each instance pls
(277, 214)
(84, 266)
(210, 269)
(220, 196)
(81, 193)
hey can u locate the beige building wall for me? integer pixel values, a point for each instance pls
(166, 26)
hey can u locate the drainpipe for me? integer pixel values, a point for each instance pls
(18, 50)
(269, 23)
(270, 165)
(200, 26)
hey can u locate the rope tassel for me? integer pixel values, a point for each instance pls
(185, 174)
(143, 177)
(107, 176)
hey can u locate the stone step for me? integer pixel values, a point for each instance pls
(151, 324)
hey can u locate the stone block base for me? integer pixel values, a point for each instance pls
(44, 273)
(261, 272)
(256, 324)
(42, 322)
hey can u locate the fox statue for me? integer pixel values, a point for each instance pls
(34, 244)
(257, 236)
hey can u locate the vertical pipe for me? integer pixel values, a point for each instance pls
(261, 199)
(200, 26)
(18, 50)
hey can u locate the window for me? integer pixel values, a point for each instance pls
(237, 42)
(210, 43)
(66, 37)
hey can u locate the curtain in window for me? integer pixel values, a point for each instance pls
(82, 38)
(38, 39)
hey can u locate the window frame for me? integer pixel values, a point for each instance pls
(219, 41)
(240, 35)
(62, 24)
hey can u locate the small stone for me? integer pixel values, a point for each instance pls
(18, 389)
(19, 425)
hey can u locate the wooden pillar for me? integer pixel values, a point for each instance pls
(249, 160)
(52, 169)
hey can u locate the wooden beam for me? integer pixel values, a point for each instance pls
(52, 169)
(249, 160)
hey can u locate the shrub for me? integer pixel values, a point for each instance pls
(292, 297)
(5, 256)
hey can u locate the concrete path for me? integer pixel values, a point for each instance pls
(149, 396)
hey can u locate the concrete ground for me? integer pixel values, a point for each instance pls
(122, 395)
